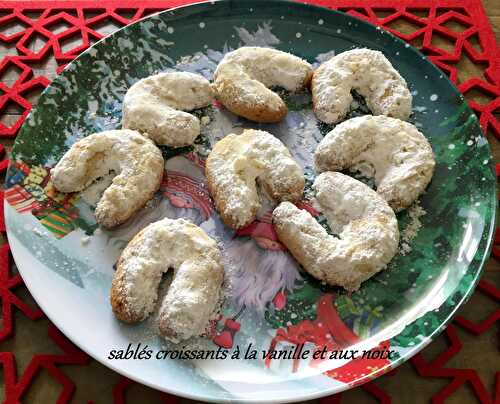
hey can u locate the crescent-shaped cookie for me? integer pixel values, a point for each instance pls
(370, 74)
(136, 161)
(395, 153)
(235, 165)
(156, 105)
(366, 227)
(243, 79)
(194, 294)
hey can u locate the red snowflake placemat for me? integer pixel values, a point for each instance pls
(452, 33)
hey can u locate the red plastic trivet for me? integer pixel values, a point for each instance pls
(461, 23)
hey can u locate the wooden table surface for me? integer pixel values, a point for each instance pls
(96, 381)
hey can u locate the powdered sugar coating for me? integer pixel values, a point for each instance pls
(369, 73)
(366, 226)
(155, 106)
(235, 164)
(243, 77)
(395, 153)
(192, 297)
(136, 161)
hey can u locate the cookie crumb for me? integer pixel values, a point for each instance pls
(415, 212)
(38, 232)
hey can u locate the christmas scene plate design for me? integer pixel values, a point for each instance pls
(68, 262)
